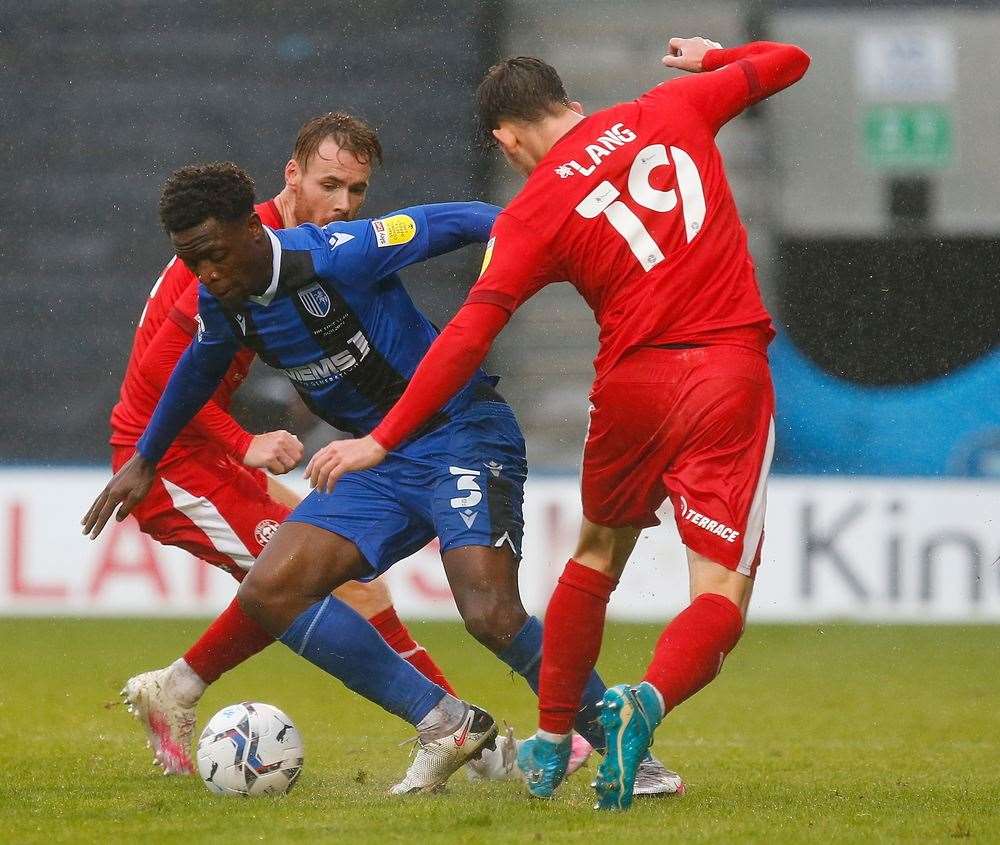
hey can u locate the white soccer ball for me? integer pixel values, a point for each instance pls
(250, 749)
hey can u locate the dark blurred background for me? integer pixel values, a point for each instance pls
(104, 99)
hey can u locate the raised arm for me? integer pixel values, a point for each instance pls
(727, 81)
(365, 251)
(451, 225)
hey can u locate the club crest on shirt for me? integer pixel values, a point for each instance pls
(316, 300)
(265, 531)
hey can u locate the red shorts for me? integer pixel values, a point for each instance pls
(696, 425)
(208, 504)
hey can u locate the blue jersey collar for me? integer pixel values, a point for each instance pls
(268, 295)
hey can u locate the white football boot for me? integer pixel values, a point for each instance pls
(167, 719)
(437, 760)
(654, 780)
(498, 763)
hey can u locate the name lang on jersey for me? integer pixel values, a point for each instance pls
(603, 145)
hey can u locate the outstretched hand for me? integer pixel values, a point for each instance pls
(687, 53)
(127, 488)
(340, 457)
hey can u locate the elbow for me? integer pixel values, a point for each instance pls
(482, 215)
(799, 61)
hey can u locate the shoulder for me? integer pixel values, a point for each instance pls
(304, 237)
(172, 282)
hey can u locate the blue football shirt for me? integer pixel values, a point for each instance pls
(335, 319)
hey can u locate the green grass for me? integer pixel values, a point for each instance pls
(819, 734)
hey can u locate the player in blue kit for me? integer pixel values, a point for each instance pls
(325, 306)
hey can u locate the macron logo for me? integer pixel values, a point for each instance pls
(340, 238)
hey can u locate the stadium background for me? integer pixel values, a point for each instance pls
(872, 199)
(869, 191)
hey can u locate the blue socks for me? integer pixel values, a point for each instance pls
(340, 641)
(524, 656)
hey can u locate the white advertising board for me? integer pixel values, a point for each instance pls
(860, 549)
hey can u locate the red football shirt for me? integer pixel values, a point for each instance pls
(165, 330)
(633, 208)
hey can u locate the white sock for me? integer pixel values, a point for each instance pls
(443, 719)
(184, 683)
(558, 739)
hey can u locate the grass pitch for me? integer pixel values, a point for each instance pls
(812, 733)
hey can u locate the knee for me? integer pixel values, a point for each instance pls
(707, 576)
(605, 549)
(258, 598)
(494, 622)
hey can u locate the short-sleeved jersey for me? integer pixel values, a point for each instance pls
(632, 207)
(336, 318)
(173, 297)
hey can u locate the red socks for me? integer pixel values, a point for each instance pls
(571, 642)
(394, 632)
(227, 642)
(691, 649)
(234, 637)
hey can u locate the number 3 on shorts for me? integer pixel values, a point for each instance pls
(604, 200)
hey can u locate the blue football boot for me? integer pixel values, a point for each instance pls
(629, 716)
(543, 764)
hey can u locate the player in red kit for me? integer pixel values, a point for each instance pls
(212, 496)
(631, 205)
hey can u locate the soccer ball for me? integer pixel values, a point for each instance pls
(250, 749)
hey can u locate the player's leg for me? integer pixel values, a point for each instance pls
(574, 629)
(716, 475)
(478, 479)
(164, 700)
(223, 513)
(688, 655)
(483, 580)
(691, 649)
(373, 601)
(356, 532)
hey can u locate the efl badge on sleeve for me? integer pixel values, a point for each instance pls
(396, 230)
(316, 300)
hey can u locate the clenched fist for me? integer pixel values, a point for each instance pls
(687, 53)
(276, 451)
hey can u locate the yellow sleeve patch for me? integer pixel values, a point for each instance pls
(394, 231)
(488, 255)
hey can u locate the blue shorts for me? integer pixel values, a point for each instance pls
(462, 483)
